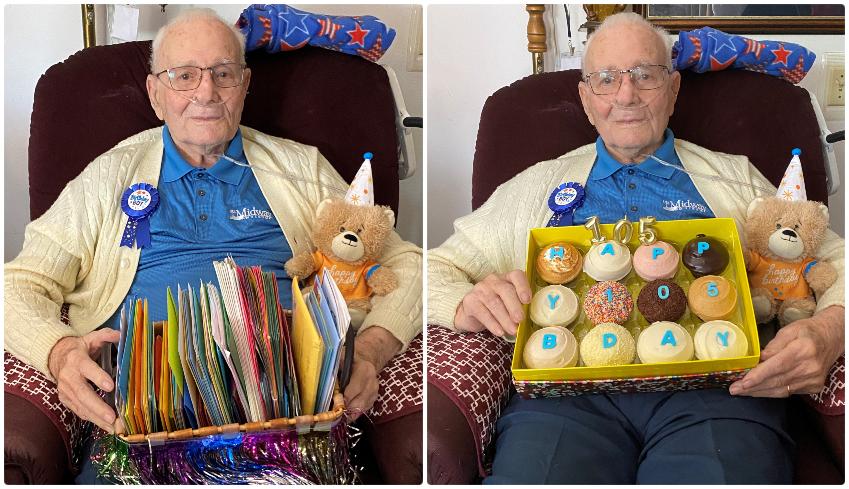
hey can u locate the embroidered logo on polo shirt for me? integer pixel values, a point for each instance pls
(681, 205)
(252, 213)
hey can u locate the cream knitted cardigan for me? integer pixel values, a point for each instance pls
(493, 239)
(71, 254)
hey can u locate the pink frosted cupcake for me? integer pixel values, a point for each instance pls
(658, 260)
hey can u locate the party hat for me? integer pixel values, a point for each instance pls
(361, 191)
(792, 186)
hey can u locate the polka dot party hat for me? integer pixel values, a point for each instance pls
(792, 186)
(361, 191)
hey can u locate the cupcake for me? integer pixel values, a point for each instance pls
(554, 305)
(559, 263)
(712, 297)
(607, 344)
(654, 261)
(608, 260)
(662, 300)
(665, 341)
(552, 347)
(705, 256)
(720, 339)
(608, 302)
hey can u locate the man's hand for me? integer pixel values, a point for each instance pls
(798, 359)
(373, 349)
(70, 362)
(495, 304)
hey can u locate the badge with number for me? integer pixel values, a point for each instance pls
(563, 201)
(138, 202)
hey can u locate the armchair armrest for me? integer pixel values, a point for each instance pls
(42, 437)
(473, 372)
(395, 430)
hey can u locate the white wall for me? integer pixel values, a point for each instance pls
(61, 25)
(472, 51)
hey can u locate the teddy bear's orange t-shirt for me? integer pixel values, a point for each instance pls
(783, 280)
(351, 279)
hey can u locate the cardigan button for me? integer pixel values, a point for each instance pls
(125, 263)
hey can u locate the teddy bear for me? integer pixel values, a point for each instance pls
(349, 235)
(783, 237)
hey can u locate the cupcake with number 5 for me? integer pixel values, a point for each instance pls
(712, 297)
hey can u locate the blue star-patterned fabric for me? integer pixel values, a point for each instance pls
(708, 49)
(283, 28)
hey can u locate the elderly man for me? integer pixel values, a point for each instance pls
(475, 284)
(73, 253)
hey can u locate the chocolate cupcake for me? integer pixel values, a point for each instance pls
(662, 300)
(704, 255)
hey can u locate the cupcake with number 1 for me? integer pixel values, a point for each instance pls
(608, 302)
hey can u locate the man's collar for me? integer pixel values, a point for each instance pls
(606, 165)
(176, 167)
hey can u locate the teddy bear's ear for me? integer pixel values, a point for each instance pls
(390, 216)
(752, 206)
(824, 210)
(324, 203)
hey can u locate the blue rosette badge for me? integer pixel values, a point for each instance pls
(563, 201)
(138, 202)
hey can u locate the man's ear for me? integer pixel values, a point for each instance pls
(246, 80)
(675, 86)
(585, 93)
(152, 85)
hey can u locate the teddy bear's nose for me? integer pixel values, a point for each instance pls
(788, 232)
(351, 237)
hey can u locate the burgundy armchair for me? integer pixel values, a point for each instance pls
(541, 117)
(96, 98)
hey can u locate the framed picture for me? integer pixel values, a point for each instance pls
(748, 18)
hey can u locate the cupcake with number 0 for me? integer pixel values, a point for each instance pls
(552, 347)
(712, 297)
(608, 302)
(661, 300)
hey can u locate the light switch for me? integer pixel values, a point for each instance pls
(836, 85)
(835, 80)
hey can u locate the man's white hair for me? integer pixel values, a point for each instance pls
(189, 16)
(629, 18)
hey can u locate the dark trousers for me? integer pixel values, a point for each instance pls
(692, 437)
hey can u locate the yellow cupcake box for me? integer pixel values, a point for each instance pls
(637, 377)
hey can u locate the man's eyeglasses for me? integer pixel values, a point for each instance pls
(644, 77)
(225, 75)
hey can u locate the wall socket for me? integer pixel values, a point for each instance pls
(835, 85)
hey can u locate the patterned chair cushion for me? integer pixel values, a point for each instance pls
(473, 370)
(24, 381)
(400, 391)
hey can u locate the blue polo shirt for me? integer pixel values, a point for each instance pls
(205, 215)
(614, 190)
